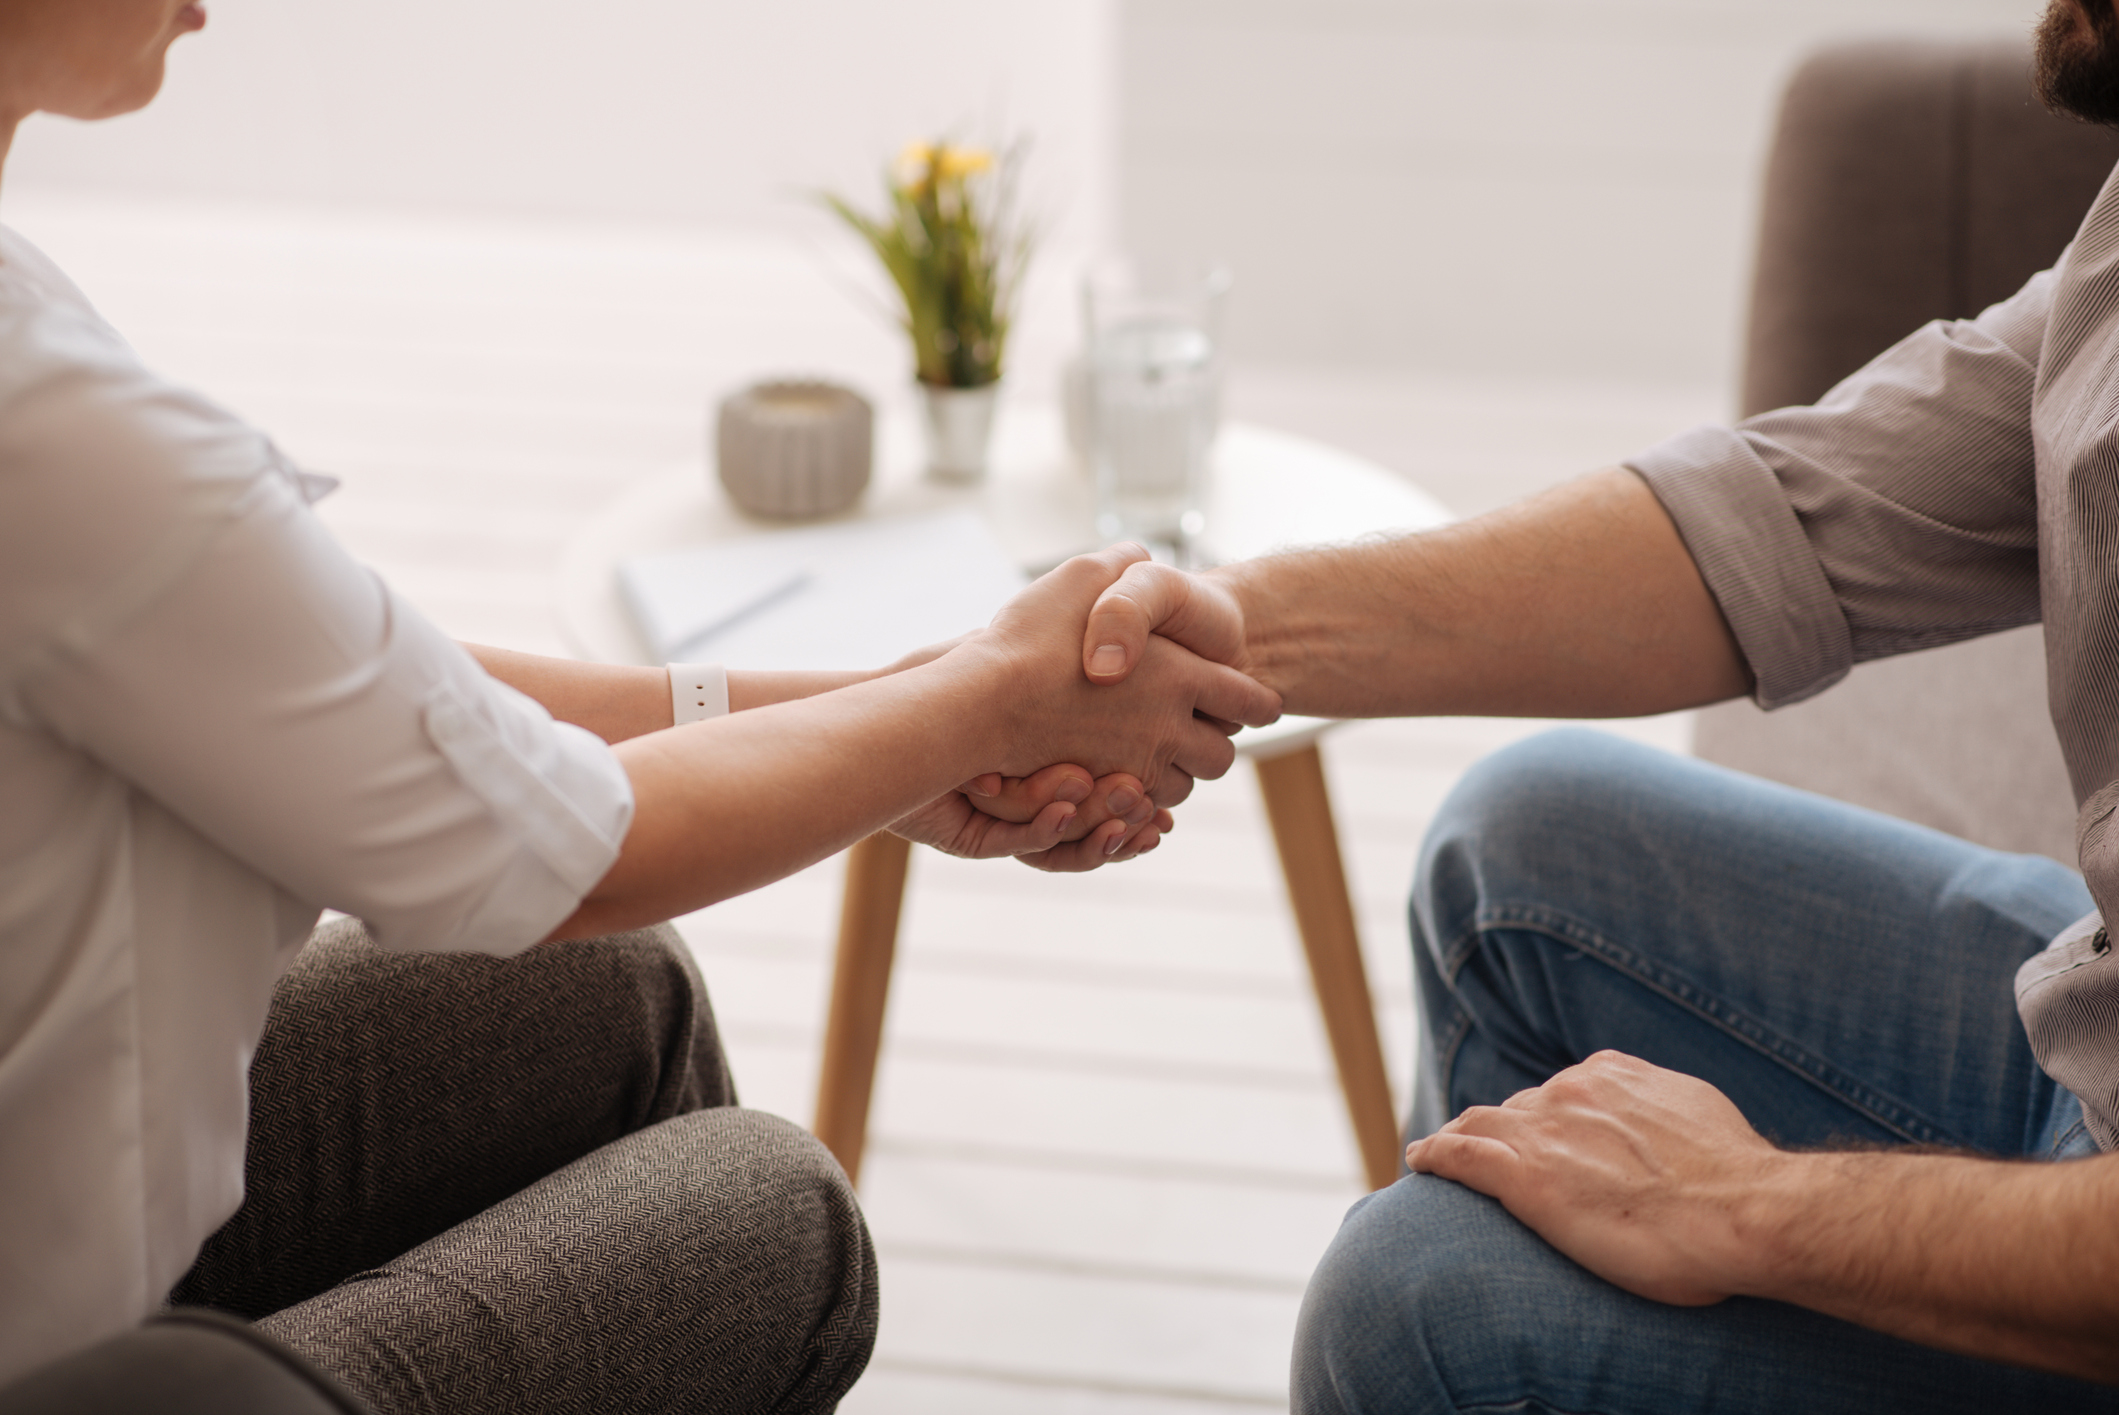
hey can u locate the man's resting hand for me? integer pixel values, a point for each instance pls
(1637, 1173)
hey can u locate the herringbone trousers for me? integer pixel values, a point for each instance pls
(523, 1186)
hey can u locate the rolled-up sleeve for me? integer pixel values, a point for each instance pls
(1897, 513)
(201, 634)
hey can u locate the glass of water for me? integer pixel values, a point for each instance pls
(1154, 330)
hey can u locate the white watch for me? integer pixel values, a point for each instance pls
(698, 691)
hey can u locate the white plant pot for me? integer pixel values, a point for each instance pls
(959, 430)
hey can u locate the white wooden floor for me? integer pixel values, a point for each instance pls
(1107, 1147)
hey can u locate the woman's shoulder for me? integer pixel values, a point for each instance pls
(52, 341)
(76, 400)
(107, 470)
(28, 272)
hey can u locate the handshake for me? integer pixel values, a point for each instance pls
(1106, 688)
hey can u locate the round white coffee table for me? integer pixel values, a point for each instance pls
(1269, 490)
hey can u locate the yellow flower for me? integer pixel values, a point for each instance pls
(914, 159)
(957, 163)
(919, 163)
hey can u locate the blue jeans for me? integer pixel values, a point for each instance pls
(1844, 977)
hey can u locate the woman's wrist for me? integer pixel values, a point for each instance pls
(975, 685)
(756, 687)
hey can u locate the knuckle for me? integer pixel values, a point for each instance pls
(1569, 1085)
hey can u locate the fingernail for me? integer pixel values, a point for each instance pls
(1074, 790)
(1124, 799)
(1107, 660)
(1111, 845)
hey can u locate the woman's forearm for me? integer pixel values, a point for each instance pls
(727, 805)
(614, 701)
(618, 702)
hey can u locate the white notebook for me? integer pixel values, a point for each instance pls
(847, 596)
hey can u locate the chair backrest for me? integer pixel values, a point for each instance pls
(1909, 181)
(182, 1363)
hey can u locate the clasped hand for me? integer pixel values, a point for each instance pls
(1095, 762)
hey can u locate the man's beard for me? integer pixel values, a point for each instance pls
(2078, 60)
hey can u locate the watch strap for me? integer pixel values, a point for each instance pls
(698, 691)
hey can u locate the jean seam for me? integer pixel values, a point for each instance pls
(1446, 1050)
(1451, 960)
(1705, 1005)
(1450, 966)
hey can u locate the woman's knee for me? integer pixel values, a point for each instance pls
(755, 1230)
(718, 1260)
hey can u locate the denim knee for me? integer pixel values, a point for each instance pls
(1430, 1297)
(1517, 812)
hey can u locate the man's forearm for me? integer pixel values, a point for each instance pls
(1582, 602)
(2015, 1262)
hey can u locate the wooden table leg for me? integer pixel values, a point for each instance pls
(1300, 809)
(860, 985)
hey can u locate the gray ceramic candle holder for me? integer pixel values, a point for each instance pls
(794, 449)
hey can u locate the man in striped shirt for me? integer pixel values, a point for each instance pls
(1728, 1076)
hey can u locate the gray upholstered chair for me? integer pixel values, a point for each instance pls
(1910, 181)
(184, 1363)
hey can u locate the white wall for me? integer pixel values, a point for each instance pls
(1552, 189)
(1559, 188)
(669, 109)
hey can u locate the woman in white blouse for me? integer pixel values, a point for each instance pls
(214, 724)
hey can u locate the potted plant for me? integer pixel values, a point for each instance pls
(951, 243)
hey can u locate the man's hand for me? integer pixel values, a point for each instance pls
(1149, 598)
(1058, 819)
(1174, 708)
(1641, 1175)
(1655, 1182)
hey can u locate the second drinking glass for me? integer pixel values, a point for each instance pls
(1154, 386)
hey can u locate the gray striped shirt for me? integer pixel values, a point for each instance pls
(1964, 481)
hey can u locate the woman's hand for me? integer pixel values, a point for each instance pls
(1058, 819)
